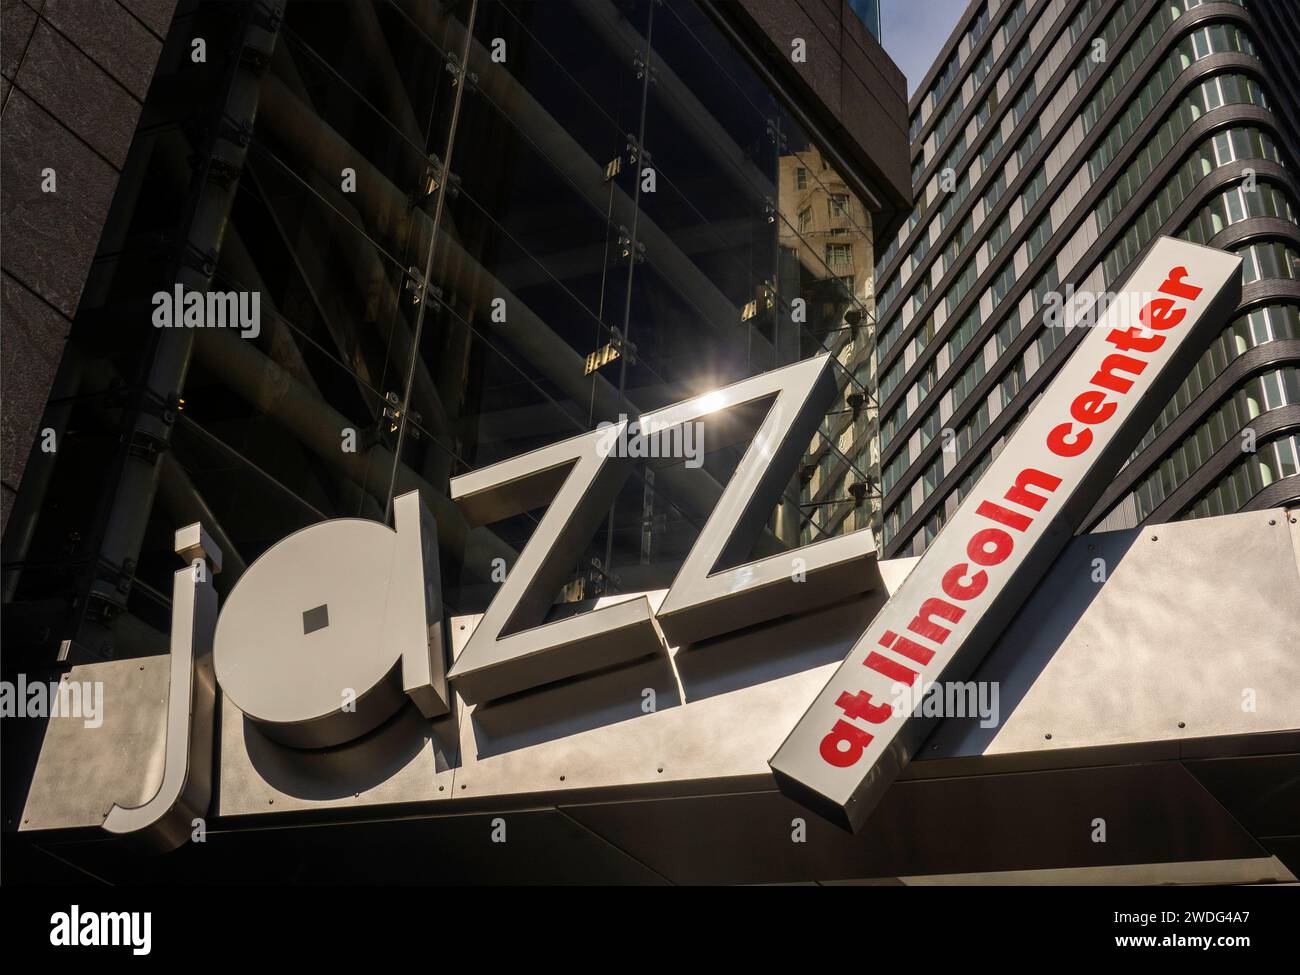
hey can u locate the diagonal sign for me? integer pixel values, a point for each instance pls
(853, 742)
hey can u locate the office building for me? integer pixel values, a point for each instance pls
(1051, 143)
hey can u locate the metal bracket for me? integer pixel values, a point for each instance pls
(205, 262)
(224, 174)
(146, 446)
(255, 60)
(414, 284)
(627, 248)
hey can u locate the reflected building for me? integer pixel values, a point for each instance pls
(827, 252)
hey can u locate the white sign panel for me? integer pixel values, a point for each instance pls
(854, 740)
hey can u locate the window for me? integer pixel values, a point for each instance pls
(1013, 20)
(961, 335)
(805, 219)
(839, 255)
(960, 287)
(998, 236)
(1003, 282)
(926, 379)
(1018, 62)
(948, 120)
(945, 79)
(837, 204)
(979, 25)
(1026, 99)
(990, 149)
(929, 427)
(957, 244)
(800, 178)
(994, 192)
(1033, 191)
(1028, 144)
(1038, 237)
(965, 383)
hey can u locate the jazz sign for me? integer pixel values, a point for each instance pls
(335, 627)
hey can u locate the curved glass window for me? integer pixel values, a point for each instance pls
(1273, 461)
(1269, 391)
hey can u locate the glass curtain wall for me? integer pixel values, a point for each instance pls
(473, 228)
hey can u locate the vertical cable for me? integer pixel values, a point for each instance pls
(631, 263)
(428, 261)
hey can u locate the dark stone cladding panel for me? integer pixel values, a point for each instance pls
(7, 497)
(1249, 364)
(1266, 426)
(50, 238)
(1175, 33)
(1223, 117)
(79, 93)
(29, 355)
(17, 21)
(72, 104)
(154, 14)
(848, 87)
(110, 36)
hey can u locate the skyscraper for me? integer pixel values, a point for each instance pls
(1051, 143)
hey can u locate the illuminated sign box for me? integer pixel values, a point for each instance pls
(853, 742)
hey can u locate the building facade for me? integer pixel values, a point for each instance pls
(442, 235)
(1051, 143)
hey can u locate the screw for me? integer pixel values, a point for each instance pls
(1182, 724)
(1154, 537)
(1048, 736)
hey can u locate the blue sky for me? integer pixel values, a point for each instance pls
(914, 30)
